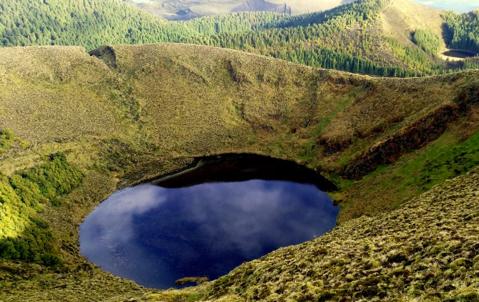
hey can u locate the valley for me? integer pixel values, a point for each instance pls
(157, 109)
(375, 102)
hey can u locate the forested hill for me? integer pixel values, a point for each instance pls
(89, 23)
(462, 31)
(379, 37)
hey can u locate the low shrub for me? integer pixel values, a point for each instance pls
(27, 192)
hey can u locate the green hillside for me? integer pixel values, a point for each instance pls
(91, 125)
(413, 254)
(378, 37)
(89, 23)
(462, 31)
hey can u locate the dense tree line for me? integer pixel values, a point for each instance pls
(325, 58)
(313, 39)
(234, 23)
(427, 40)
(92, 23)
(462, 31)
(352, 12)
(81, 22)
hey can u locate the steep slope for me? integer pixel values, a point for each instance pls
(94, 124)
(376, 35)
(62, 81)
(427, 250)
(401, 18)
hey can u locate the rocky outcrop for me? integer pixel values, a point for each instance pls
(106, 54)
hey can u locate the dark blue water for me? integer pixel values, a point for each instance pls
(458, 53)
(155, 235)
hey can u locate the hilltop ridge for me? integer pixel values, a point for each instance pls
(376, 37)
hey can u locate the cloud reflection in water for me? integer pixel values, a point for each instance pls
(155, 235)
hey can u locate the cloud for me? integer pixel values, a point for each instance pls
(241, 215)
(155, 235)
(121, 207)
(107, 236)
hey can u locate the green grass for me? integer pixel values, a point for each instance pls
(6, 139)
(444, 159)
(310, 150)
(427, 40)
(34, 245)
(25, 194)
(424, 251)
(390, 186)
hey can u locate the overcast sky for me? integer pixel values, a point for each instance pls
(457, 5)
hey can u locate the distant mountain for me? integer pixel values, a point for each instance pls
(188, 9)
(262, 6)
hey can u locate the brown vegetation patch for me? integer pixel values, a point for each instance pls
(413, 137)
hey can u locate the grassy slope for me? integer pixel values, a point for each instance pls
(426, 251)
(400, 19)
(164, 104)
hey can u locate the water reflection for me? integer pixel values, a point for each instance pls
(155, 235)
